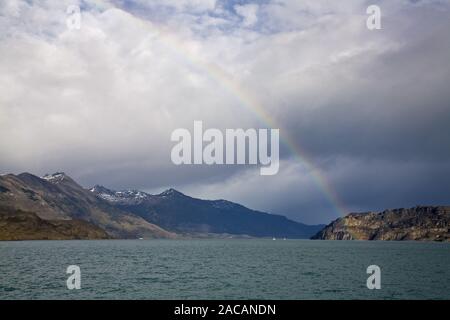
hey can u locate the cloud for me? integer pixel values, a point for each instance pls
(248, 12)
(369, 109)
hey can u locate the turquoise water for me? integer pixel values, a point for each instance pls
(224, 269)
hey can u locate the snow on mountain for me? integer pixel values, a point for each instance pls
(55, 177)
(122, 197)
(170, 192)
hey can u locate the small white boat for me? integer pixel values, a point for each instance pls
(274, 239)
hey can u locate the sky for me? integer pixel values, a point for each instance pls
(363, 114)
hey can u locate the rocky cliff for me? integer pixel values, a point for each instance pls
(419, 223)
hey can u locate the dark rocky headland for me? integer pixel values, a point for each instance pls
(425, 223)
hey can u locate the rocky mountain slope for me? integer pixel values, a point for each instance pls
(58, 198)
(180, 213)
(20, 225)
(419, 223)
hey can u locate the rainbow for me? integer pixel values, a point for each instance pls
(246, 100)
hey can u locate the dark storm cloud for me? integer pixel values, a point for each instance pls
(395, 105)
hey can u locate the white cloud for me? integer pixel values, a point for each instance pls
(249, 13)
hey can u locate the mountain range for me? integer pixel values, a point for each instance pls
(56, 207)
(175, 211)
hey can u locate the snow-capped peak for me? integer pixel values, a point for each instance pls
(123, 196)
(101, 189)
(55, 177)
(170, 192)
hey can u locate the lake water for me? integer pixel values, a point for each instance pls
(224, 269)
